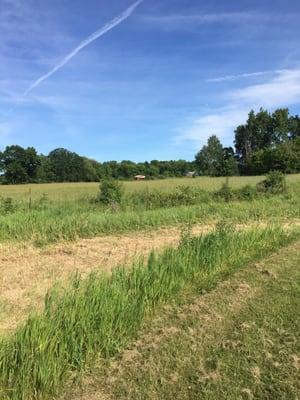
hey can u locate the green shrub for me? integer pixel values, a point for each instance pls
(274, 183)
(111, 192)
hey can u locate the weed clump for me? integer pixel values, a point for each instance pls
(7, 205)
(275, 183)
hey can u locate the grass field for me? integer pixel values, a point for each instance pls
(72, 191)
(48, 221)
(212, 316)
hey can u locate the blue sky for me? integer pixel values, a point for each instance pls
(154, 87)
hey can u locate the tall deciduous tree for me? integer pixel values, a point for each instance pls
(67, 166)
(210, 158)
(19, 165)
(257, 133)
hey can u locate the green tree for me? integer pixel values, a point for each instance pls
(19, 165)
(281, 125)
(209, 160)
(45, 172)
(127, 169)
(229, 166)
(67, 166)
(257, 133)
(294, 126)
(90, 170)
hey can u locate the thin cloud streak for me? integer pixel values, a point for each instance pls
(96, 35)
(245, 75)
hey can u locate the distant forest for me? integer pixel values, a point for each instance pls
(267, 141)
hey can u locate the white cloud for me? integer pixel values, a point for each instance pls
(281, 91)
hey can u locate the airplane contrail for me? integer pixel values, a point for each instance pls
(94, 36)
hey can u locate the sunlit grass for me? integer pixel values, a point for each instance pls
(72, 191)
(46, 220)
(100, 314)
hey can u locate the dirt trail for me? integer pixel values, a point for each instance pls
(27, 272)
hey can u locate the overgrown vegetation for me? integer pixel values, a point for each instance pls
(111, 192)
(274, 183)
(46, 221)
(101, 314)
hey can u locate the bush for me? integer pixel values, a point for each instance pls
(111, 192)
(274, 183)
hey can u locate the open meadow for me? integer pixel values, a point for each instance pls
(54, 212)
(173, 277)
(74, 191)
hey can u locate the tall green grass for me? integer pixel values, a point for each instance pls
(71, 222)
(100, 314)
(44, 221)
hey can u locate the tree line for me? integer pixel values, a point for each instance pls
(19, 165)
(267, 141)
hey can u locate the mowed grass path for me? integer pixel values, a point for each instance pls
(73, 191)
(240, 341)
